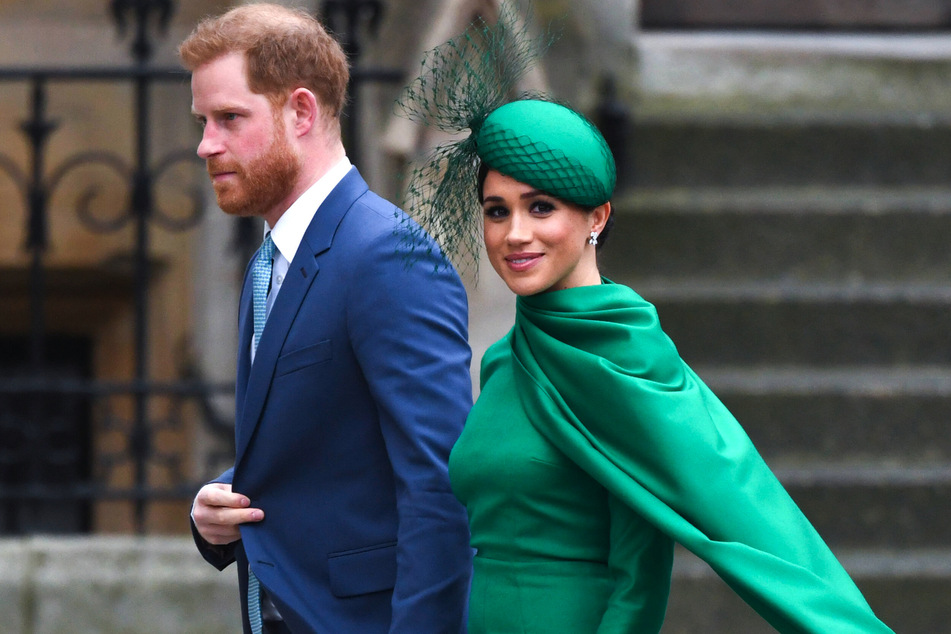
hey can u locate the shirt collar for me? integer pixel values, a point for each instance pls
(289, 230)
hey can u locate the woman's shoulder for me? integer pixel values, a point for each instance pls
(495, 356)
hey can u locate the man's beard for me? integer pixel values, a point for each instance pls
(260, 184)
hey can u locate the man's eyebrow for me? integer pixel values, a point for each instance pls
(221, 110)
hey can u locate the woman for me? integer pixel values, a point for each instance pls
(592, 447)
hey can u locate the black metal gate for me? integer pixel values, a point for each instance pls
(50, 473)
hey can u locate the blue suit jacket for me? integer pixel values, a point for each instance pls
(359, 388)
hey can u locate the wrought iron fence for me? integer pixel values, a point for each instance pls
(53, 465)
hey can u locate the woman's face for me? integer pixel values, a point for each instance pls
(535, 242)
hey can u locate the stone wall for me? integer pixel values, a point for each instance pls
(111, 584)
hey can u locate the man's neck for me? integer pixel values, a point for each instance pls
(314, 166)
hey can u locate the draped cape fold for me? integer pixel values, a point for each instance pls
(603, 383)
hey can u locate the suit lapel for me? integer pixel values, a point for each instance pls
(245, 333)
(300, 276)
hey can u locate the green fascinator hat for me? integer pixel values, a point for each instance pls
(550, 147)
(468, 88)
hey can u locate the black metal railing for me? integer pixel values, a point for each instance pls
(69, 440)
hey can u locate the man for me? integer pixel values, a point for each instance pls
(338, 509)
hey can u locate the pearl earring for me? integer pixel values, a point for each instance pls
(594, 238)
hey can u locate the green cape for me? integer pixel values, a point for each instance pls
(600, 379)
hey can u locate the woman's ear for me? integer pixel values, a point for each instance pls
(599, 217)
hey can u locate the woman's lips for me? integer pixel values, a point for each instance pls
(522, 261)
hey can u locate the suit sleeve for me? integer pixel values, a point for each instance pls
(218, 556)
(408, 328)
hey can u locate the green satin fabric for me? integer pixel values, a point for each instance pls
(555, 551)
(601, 381)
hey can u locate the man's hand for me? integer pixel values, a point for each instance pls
(217, 513)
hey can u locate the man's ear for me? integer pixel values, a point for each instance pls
(305, 110)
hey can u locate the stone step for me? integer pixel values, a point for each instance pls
(855, 413)
(907, 589)
(790, 323)
(815, 15)
(779, 151)
(870, 504)
(800, 81)
(873, 505)
(781, 233)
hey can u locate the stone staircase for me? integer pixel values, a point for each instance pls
(801, 261)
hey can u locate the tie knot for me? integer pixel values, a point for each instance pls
(267, 248)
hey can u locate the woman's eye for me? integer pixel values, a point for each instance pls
(542, 207)
(496, 212)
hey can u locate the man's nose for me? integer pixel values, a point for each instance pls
(209, 144)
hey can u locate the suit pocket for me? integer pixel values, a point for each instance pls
(301, 358)
(362, 571)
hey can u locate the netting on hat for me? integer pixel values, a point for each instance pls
(549, 169)
(459, 84)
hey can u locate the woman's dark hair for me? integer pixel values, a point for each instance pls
(602, 237)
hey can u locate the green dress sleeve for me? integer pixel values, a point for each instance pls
(600, 380)
(640, 560)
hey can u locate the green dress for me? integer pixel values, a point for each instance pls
(592, 449)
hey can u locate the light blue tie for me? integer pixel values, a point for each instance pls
(254, 602)
(261, 282)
